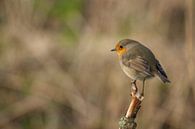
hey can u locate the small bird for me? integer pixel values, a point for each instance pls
(138, 62)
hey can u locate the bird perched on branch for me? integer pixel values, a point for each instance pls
(138, 62)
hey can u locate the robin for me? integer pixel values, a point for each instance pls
(138, 62)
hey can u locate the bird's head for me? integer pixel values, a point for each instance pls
(123, 46)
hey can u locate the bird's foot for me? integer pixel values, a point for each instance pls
(139, 96)
(134, 86)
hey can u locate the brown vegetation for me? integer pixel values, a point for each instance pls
(57, 71)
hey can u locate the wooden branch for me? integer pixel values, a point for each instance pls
(128, 121)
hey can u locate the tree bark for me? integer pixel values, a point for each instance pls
(128, 121)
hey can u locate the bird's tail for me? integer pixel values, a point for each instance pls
(161, 73)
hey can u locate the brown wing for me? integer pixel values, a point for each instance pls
(161, 73)
(139, 64)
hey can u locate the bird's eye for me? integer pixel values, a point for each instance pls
(121, 47)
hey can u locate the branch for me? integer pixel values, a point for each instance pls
(128, 121)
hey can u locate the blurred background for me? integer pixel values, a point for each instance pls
(57, 71)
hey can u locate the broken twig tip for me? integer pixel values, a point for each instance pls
(128, 121)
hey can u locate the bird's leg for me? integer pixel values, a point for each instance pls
(142, 93)
(135, 91)
(134, 86)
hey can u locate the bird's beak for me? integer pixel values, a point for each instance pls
(113, 49)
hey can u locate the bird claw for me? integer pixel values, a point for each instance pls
(135, 91)
(139, 96)
(134, 87)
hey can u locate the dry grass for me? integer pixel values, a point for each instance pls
(48, 82)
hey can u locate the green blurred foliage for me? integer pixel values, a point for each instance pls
(67, 12)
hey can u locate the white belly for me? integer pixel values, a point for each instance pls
(129, 72)
(132, 73)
